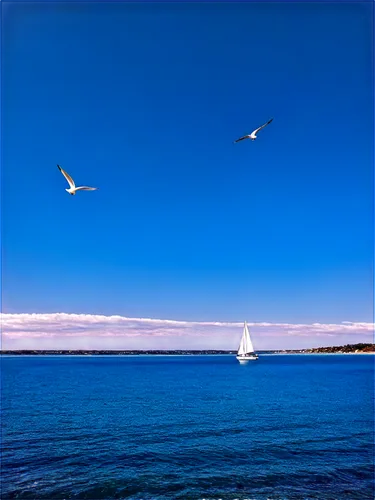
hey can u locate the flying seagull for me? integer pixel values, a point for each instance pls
(72, 187)
(253, 134)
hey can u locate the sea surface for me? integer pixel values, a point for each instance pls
(188, 427)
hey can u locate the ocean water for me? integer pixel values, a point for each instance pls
(195, 427)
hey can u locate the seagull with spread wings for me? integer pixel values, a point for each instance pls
(72, 187)
(253, 134)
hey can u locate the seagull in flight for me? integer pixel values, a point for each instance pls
(253, 134)
(72, 187)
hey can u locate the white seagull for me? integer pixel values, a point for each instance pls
(72, 187)
(253, 134)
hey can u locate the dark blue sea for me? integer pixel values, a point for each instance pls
(194, 427)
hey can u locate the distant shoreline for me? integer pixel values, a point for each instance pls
(347, 349)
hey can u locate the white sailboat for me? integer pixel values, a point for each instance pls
(246, 350)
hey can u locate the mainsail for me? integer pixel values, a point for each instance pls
(246, 346)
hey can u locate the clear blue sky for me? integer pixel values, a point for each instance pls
(144, 102)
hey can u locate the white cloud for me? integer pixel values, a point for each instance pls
(65, 327)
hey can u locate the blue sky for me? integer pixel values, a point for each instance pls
(144, 101)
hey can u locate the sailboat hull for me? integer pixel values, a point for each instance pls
(245, 359)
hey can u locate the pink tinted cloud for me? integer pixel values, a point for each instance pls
(18, 326)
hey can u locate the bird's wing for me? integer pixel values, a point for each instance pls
(67, 177)
(264, 125)
(85, 188)
(242, 138)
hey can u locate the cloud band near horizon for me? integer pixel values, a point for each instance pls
(35, 328)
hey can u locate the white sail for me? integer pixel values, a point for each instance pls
(250, 347)
(246, 346)
(242, 348)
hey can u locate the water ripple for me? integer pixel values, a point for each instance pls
(164, 432)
